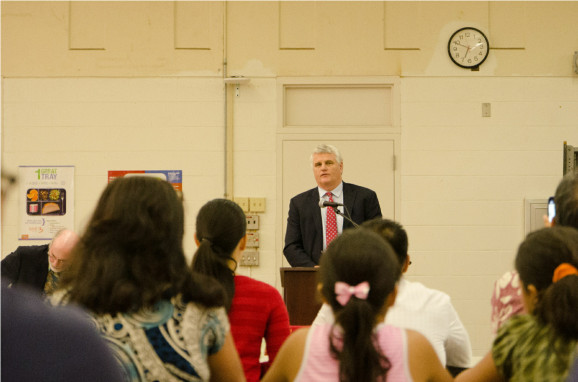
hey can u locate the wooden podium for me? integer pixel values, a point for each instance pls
(300, 294)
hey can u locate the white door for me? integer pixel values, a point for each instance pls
(358, 115)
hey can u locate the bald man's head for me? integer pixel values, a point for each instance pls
(59, 250)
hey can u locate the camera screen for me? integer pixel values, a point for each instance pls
(551, 209)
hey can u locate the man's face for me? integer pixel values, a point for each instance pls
(327, 171)
(59, 255)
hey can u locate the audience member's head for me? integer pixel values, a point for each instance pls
(358, 274)
(220, 234)
(393, 233)
(547, 261)
(566, 200)
(60, 250)
(131, 255)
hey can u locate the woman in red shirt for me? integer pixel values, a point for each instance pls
(256, 309)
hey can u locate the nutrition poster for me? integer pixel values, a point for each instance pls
(46, 201)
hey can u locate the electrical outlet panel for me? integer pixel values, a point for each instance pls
(252, 239)
(249, 258)
(257, 204)
(252, 221)
(242, 202)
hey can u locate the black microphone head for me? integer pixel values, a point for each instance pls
(322, 203)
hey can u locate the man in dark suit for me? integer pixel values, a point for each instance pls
(38, 267)
(306, 235)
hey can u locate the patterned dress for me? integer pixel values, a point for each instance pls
(165, 344)
(526, 350)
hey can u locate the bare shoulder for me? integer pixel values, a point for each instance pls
(424, 364)
(297, 339)
(418, 343)
(288, 360)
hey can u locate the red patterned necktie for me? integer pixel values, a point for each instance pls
(330, 222)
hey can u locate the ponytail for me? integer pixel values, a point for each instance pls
(358, 258)
(558, 306)
(356, 346)
(209, 260)
(221, 224)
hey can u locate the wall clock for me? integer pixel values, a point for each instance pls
(468, 47)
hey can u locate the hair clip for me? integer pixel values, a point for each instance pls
(344, 291)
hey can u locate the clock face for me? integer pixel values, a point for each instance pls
(468, 47)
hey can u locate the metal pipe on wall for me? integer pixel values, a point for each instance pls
(228, 120)
(229, 186)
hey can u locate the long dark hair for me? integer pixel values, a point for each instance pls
(354, 257)
(131, 255)
(537, 259)
(221, 224)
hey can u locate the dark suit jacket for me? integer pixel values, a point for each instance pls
(304, 236)
(28, 266)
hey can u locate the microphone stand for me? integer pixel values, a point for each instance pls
(345, 217)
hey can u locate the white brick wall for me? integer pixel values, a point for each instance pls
(465, 178)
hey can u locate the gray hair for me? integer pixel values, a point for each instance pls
(327, 149)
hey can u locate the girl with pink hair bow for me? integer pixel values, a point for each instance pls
(358, 278)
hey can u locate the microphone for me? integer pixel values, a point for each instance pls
(325, 203)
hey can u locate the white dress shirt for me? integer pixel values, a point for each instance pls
(429, 312)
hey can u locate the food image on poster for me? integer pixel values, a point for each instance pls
(46, 201)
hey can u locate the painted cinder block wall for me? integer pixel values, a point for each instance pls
(139, 85)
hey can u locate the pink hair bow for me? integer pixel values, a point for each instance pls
(344, 291)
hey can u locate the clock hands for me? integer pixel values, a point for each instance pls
(466, 55)
(472, 48)
(468, 47)
(477, 45)
(457, 43)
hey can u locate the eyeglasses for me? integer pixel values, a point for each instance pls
(56, 260)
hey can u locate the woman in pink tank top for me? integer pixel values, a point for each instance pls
(357, 278)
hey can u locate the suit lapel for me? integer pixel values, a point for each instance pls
(314, 203)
